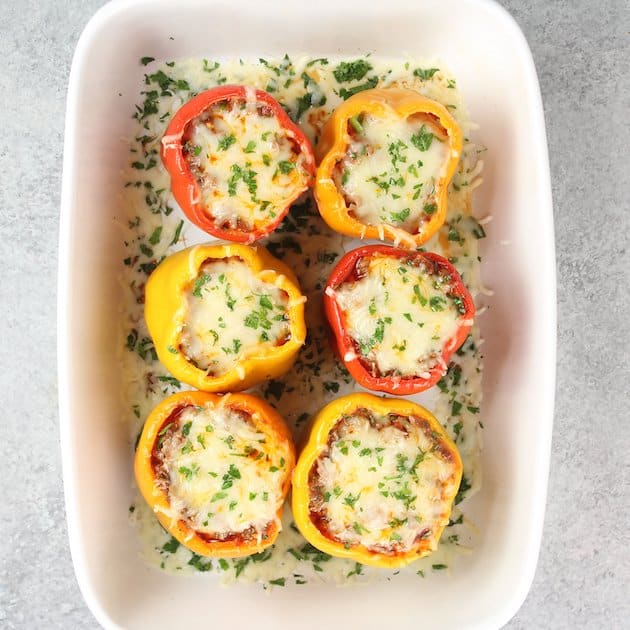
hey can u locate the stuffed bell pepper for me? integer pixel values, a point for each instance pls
(387, 156)
(236, 161)
(376, 481)
(397, 316)
(216, 471)
(224, 317)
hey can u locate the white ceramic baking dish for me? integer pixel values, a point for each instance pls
(488, 54)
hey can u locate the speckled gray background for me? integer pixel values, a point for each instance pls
(582, 54)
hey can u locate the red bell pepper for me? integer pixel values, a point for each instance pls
(351, 268)
(184, 183)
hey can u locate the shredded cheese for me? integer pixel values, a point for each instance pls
(384, 486)
(390, 170)
(224, 475)
(231, 315)
(399, 315)
(246, 165)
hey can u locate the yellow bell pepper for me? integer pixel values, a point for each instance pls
(334, 142)
(166, 310)
(436, 473)
(153, 475)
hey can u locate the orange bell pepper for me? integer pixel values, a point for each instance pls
(343, 128)
(157, 475)
(396, 505)
(166, 317)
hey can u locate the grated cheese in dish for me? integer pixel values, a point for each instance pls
(154, 227)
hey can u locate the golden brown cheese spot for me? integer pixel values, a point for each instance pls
(391, 168)
(246, 165)
(223, 475)
(232, 315)
(399, 314)
(384, 483)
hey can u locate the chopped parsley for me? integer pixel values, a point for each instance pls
(226, 142)
(154, 239)
(200, 282)
(286, 166)
(171, 546)
(464, 486)
(247, 176)
(437, 303)
(356, 125)
(351, 70)
(400, 217)
(345, 94)
(187, 472)
(200, 564)
(425, 74)
(178, 232)
(418, 296)
(422, 139)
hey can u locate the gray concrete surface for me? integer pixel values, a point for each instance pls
(582, 54)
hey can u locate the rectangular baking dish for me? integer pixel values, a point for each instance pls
(488, 54)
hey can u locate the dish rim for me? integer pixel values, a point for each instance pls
(504, 611)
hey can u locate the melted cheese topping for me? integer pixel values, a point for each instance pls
(399, 315)
(384, 485)
(224, 475)
(246, 165)
(306, 387)
(232, 315)
(391, 168)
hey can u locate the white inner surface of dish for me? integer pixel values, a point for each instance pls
(155, 227)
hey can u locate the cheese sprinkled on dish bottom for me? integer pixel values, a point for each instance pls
(154, 227)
